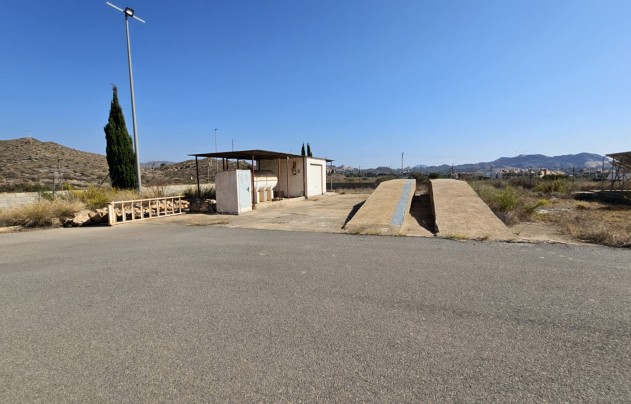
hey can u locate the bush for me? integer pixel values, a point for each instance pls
(97, 198)
(206, 193)
(39, 214)
(384, 178)
(507, 199)
(510, 204)
(557, 185)
(94, 198)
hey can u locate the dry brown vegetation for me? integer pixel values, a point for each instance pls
(40, 214)
(50, 211)
(553, 202)
(593, 222)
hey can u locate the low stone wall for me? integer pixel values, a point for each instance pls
(180, 189)
(10, 200)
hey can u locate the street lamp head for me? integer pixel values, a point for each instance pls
(129, 12)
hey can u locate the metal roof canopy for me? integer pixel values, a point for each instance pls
(623, 158)
(253, 155)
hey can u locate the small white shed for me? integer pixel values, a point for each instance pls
(291, 176)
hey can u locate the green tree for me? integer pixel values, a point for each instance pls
(302, 152)
(119, 148)
(309, 150)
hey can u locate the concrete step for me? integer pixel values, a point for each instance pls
(460, 213)
(385, 210)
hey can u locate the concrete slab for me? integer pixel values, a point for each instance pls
(384, 212)
(324, 214)
(460, 213)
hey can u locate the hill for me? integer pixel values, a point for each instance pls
(29, 164)
(523, 161)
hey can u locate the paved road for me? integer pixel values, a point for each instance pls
(144, 313)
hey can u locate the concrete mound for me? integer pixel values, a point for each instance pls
(460, 213)
(385, 210)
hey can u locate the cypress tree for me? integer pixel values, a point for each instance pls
(119, 148)
(302, 152)
(309, 154)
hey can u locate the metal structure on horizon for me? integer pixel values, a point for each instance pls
(128, 12)
(620, 171)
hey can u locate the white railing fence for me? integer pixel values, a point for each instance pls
(141, 209)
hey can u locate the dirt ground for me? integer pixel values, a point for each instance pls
(328, 214)
(542, 232)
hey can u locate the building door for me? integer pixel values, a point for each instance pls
(315, 179)
(244, 185)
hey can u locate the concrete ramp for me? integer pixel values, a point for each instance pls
(460, 213)
(385, 210)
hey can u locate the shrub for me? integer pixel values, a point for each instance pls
(557, 185)
(40, 213)
(384, 178)
(206, 193)
(96, 198)
(509, 204)
(507, 199)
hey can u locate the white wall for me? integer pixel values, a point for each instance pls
(299, 178)
(296, 179)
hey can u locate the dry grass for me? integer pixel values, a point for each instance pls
(594, 222)
(96, 198)
(40, 214)
(45, 212)
(552, 202)
(344, 191)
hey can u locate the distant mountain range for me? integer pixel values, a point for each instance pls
(524, 161)
(28, 161)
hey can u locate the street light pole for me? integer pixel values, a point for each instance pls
(216, 160)
(130, 13)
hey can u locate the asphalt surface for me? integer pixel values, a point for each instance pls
(146, 313)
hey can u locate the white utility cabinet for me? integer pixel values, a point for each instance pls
(234, 191)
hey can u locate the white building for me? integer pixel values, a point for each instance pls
(273, 176)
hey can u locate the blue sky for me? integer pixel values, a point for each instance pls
(361, 81)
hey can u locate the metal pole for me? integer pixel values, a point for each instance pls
(331, 177)
(253, 191)
(217, 161)
(133, 106)
(199, 191)
(602, 179)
